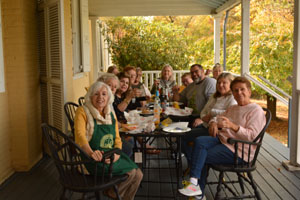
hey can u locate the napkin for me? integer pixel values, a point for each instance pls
(178, 112)
(182, 125)
(144, 124)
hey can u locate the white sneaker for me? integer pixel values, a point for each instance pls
(191, 190)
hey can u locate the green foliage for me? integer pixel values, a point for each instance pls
(139, 42)
(183, 40)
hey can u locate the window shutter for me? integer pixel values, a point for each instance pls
(85, 38)
(50, 62)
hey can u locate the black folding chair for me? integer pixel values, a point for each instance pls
(70, 110)
(81, 101)
(71, 166)
(242, 170)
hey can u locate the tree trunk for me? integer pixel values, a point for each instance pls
(271, 105)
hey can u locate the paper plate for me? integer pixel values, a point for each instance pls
(176, 129)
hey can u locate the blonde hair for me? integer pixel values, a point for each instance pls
(227, 76)
(218, 65)
(161, 74)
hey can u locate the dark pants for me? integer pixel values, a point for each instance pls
(127, 146)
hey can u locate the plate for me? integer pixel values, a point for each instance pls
(176, 129)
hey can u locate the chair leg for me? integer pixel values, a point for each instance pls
(117, 192)
(97, 195)
(84, 196)
(63, 195)
(256, 192)
(221, 176)
(241, 182)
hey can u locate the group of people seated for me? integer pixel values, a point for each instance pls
(221, 109)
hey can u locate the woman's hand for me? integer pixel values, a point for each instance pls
(137, 92)
(97, 155)
(206, 118)
(175, 89)
(224, 122)
(116, 158)
(156, 82)
(130, 94)
(213, 129)
(197, 122)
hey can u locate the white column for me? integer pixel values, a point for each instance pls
(95, 40)
(295, 139)
(245, 55)
(217, 28)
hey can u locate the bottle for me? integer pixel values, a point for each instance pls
(157, 108)
(167, 94)
(133, 100)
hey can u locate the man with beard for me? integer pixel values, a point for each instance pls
(196, 94)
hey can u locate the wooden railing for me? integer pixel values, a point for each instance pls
(150, 76)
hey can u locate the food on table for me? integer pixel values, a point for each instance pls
(146, 111)
(129, 127)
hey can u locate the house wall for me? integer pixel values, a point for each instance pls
(20, 109)
(75, 84)
(20, 116)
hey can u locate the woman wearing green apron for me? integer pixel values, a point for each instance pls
(96, 131)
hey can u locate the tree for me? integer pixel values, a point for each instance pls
(147, 44)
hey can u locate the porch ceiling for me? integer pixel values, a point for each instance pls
(105, 8)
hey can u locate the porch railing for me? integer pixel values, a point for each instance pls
(150, 76)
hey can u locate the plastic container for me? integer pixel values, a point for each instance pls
(157, 108)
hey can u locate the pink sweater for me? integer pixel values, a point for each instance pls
(251, 119)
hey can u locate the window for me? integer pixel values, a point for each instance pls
(80, 36)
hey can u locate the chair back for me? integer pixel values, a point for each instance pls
(260, 136)
(70, 110)
(70, 161)
(67, 161)
(81, 101)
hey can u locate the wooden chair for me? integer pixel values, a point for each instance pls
(243, 170)
(70, 110)
(71, 166)
(81, 101)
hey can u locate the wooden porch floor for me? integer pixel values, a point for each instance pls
(273, 180)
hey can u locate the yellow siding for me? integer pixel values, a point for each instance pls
(20, 112)
(20, 105)
(5, 159)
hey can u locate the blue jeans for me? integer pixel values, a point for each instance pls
(191, 137)
(208, 150)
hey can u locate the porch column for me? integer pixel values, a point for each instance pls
(217, 28)
(293, 163)
(245, 55)
(95, 40)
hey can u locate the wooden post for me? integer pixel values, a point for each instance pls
(217, 19)
(95, 41)
(245, 55)
(294, 162)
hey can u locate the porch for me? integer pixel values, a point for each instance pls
(274, 182)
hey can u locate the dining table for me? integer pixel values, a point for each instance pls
(172, 139)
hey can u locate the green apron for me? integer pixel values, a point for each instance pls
(103, 139)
